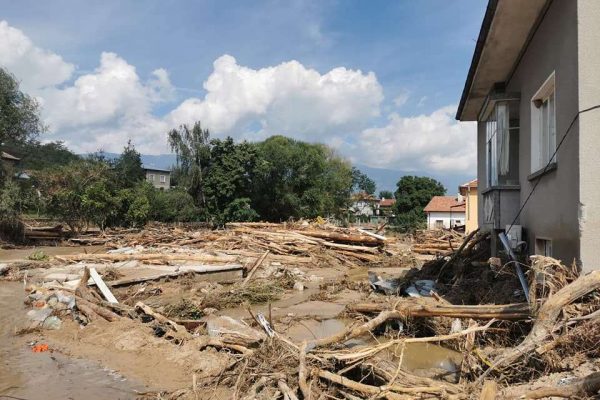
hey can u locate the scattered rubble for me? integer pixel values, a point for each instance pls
(302, 311)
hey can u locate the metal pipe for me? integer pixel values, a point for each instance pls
(505, 243)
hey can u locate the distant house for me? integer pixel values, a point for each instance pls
(445, 212)
(469, 192)
(160, 178)
(364, 204)
(386, 207)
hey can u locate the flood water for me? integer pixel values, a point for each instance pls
(48, 375)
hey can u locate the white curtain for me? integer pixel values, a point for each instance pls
(503, 139)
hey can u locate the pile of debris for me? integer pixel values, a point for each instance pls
(501, 346)
(440, 242)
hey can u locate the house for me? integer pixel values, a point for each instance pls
(469, 192)
(364, 204)
(386, 207)
(533, 87)
(159, 178)
(445, 212)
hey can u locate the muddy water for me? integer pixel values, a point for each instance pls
(48, 375)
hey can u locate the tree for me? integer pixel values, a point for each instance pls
(128, 167)
(229, 178)
(361, 182)
(192, 148)
(295, 179)
(386, 194)
(19, 112)
(412, 195)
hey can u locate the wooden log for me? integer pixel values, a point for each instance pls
(344, 237)
(546, 319)
(161, 318)
(302, 373)
(586, 387)
(182, 271)
(255, 267)
(489, 390)
(101, 311)
(518, 311)
(147, 257)
(285, 389)
(457, 252)
(387, 392)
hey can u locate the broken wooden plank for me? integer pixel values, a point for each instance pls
(255, 267)
(102, 286)
(204, 269)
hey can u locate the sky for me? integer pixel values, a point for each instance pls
(379, 81)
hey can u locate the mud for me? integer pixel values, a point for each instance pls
(49, 375)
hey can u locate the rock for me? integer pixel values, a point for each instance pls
(52, 323)
(299, 286)
(209, 311)
(39, 315)
(232, 330)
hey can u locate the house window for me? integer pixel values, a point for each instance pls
(439, 224)
(502, 144)
(543, 126)
(543, 247)
(151, 177)
(163, 179)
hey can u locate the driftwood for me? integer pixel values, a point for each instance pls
(285, 389)
(344, 237)
(302, 373)
(255, 267)
(161, 318)
(586, 387)
(518, 311)
(174, 274)
(546, 319)
(361, 387)
(99, 310)
(147, 257)
(457, 252)
(489, 390)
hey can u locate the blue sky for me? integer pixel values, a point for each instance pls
(378, 80)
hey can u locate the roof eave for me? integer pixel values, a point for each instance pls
(483, 34)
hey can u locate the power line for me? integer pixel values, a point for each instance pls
(539, 178)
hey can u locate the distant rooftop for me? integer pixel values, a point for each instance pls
(445, 204)
(151, 168)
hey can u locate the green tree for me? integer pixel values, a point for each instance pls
(174, 205)
(295, 179)
(75, 192)
(19, 112)
(192, 148)
(229, 178)
(37, 156)
(361, 182)
(412, 195)
(386, 194)
(128, 167)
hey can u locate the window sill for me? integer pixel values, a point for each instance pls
(551, 167)
(501, 187)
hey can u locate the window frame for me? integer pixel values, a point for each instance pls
(151, 177)
(163, 178)
(543, 143)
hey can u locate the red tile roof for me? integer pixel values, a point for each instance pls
(387, 202)
(445, 204)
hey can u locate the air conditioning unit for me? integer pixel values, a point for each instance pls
(514, 235)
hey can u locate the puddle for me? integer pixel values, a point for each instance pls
(426, 356)
(312, 329)
(48, 375)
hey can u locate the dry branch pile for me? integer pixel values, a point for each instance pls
(441, 242)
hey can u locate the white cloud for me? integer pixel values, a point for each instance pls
(37, 68)
(433, 143)
(402, 98)
(103, 108)
(288, 98)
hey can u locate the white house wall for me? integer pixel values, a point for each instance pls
(448, 219)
